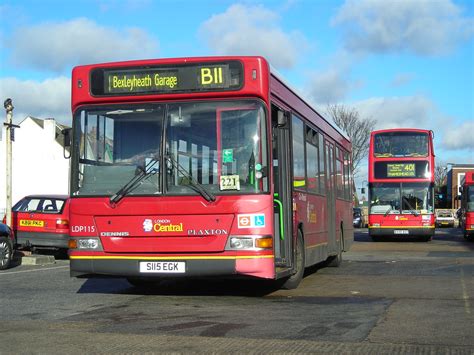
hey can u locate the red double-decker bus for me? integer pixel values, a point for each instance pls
(401, 183)
(466, 220)
(197, 167)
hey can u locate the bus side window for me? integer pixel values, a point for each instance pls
(299, 166)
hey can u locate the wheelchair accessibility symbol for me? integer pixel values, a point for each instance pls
(259, 220)
(251, 220)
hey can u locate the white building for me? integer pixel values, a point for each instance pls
(38, 163)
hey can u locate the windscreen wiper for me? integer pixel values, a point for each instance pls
(388, 211)
(412, 210)
(195, 185)
(143, 172)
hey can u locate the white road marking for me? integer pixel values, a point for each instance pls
(465, 296)
(23, 271)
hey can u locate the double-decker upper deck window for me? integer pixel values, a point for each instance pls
(401, 144)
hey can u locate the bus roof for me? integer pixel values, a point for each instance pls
(389, 130)
(306, 101)
(186, 60)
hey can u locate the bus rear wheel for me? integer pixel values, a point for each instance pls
(293, 281)
(336, 260)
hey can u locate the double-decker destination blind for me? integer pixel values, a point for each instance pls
(397, 170)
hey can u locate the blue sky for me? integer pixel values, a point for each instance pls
(404, 62)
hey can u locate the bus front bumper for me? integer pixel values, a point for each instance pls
(402, 232)
(84, 267)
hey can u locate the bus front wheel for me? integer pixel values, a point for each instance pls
(293, 281)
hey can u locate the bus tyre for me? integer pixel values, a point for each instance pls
(336, 260)
(293, 281)
(6, 253)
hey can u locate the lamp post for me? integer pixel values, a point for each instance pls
(362, 188)
(454, 186)
(8, 132)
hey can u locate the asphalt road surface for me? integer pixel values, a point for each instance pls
(387, 297)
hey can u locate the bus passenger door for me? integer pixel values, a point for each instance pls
(283, 205)
(330, 196)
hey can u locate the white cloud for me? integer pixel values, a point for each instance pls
(253, 30)
(460, 137)
(329, 86)
(50, 98)
(61, 45)
(453, 142)
(334, 83)
(398, 112)
(402, 79)
(424, 27)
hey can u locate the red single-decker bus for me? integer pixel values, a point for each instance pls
(203, 167)
(466, 220)
(401, 183)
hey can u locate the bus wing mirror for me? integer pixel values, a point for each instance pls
(66, 142)
(67, 137)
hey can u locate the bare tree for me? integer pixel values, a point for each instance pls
(440, 175)
(358, 129)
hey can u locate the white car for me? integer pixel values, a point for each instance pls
(444, 218)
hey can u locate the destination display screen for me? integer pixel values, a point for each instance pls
(400, 170)
(167, 79)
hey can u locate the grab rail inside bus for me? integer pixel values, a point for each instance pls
(280, 208)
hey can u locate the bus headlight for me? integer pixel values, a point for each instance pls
(241, 243)
(249, 242)
(85, 244)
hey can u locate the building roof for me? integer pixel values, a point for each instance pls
(462, 166)
(59, 128)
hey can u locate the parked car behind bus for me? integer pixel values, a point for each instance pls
(42, 221)
(358, 218)
(444, 218)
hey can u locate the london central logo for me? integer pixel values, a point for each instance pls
(161, 226)
(147, 225)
